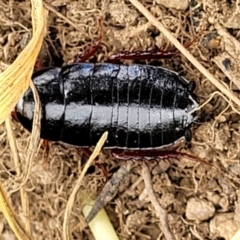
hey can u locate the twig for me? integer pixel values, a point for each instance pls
(160, 212)
(109, 191)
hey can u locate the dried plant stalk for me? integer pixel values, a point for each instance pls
(14, 81)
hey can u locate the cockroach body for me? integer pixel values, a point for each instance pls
(142, 107)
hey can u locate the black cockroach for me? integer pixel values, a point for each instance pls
(142, 107)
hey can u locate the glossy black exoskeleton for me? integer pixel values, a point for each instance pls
(142, 107)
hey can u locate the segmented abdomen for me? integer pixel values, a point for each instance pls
(140, 106)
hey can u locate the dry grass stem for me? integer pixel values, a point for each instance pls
(160, 212)
(14, 81)
(71, 199)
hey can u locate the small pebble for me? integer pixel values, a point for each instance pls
(199, 209)
(179, 5)
(223, 225)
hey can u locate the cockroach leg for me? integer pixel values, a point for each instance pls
(87, 152)
(103, 169)
(155, 154)
(149, 55)
(90, 52)
(143, 154)
(46, 148)
(14, 115)
(38, 65)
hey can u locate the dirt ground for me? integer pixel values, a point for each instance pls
(203, 201)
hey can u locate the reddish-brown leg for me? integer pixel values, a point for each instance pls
(148, 55)
(90, 52)
(87, 152)
(38, 65)
(14, 115)
(46, 148)
(154, 154)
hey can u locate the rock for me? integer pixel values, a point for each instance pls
(224, 225)
(179, 5)
(199, 209)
